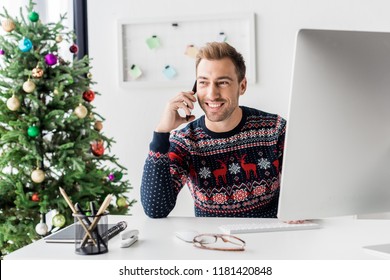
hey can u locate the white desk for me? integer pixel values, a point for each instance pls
(339, 238)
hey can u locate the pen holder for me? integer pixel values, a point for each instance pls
(90, 237)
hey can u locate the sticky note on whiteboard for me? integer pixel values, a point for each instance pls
(135, 72)
(153, 42)
(169, 72)
(191, 51)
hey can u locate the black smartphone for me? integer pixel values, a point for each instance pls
(194, 90)
(194, 87)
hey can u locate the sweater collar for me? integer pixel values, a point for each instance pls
(225, 134)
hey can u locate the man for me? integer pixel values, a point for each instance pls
(230, 158)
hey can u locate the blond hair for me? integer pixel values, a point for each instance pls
(220, 50)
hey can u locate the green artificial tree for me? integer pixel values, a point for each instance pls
(50, 135)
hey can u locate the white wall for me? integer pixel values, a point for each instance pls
(131, 115)
(49, 11)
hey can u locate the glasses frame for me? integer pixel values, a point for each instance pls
(225, 238)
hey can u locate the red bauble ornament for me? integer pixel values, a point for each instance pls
(97, 148)
(88, 95)
(74, 49)
(37, 72)
(35, 197)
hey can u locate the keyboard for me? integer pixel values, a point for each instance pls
(265, 225)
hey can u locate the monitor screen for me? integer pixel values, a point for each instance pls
(337, 151)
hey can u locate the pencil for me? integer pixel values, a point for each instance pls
(101, 211)
(70, 204)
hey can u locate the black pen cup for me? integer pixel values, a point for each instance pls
(90, 234)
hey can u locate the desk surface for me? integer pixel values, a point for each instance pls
(338, 238)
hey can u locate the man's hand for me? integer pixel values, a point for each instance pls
(171, 119)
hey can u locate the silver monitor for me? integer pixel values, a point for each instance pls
(337, 153)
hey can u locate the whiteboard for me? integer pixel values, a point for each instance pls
(142, 64)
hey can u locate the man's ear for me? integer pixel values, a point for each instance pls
(243, 85)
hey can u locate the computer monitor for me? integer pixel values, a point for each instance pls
(337, 151)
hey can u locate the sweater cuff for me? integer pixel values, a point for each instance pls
(160, 142)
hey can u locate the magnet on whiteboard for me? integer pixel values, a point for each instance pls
(222, 37)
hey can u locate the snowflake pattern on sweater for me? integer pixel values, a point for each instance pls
(230, 174)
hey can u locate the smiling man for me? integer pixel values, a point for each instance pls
(230, 158)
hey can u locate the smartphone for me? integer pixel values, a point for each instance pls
(194, 87)
(194, 90)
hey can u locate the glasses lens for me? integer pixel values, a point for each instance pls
(219, 242)
(205, 239)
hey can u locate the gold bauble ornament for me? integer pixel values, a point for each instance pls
(28, 86)
(98, 125)
(59, 39)
(37, 176)
(80, 111)
(37, 72)
(89, 75)
(13, 103)
(8, 25)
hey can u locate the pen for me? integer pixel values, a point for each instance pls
(101, 210)
(115, 230)
(81, 211)
(92, 208)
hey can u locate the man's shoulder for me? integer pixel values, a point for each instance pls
(256, 115)
(190, 130)
(258, 119)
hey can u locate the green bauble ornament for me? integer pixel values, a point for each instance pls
(33, 131)
(121, 202)
(33, 16)
(117, 176)
(58, 220)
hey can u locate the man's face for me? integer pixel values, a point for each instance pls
(218, 90)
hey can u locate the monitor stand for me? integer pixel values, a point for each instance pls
(382, 250)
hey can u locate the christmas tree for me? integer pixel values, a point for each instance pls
(50, 135)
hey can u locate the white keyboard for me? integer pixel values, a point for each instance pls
(266, 225)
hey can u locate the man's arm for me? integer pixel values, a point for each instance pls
(164, 175)
(164, 170)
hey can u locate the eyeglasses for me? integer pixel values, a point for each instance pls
(210, 242)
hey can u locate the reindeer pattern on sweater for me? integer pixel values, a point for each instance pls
(230, 174)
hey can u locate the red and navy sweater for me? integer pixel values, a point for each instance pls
(229, 174)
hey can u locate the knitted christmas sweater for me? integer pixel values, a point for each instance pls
(230, 174)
